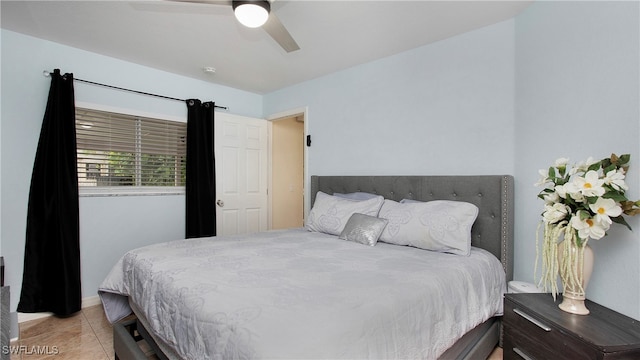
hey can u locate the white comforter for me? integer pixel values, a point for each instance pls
(298, 295)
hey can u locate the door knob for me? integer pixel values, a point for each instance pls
(220, 203)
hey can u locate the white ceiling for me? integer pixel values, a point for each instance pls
(183, 38)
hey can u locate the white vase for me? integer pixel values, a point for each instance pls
(576, 266)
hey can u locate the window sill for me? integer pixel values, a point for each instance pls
(130, 191)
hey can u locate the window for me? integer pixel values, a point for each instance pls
(125, 153)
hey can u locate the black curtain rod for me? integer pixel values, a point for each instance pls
(47, 73)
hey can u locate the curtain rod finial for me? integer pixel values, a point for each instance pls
(46, 73)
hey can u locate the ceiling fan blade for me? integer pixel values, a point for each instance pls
(210, 2)
(279, 33)
(180, 6)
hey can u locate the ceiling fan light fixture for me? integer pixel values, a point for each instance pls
(251, 14)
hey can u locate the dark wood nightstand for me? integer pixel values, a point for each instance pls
(535, 328)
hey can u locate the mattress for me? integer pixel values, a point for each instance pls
(293, 294)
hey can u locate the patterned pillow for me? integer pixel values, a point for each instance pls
(363, 229)
(331, 213)
(440, 225)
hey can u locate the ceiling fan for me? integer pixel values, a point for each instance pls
(257, 13)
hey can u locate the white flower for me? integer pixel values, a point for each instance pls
(561, 162)
(544, 178)
(589, 228)
(561, 165)
(584, 165)
(589, 185)
(551, 198)
(604, 210)
(554, 213)
(615, 179)
(571, 190)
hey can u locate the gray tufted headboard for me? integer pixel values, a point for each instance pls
(492, 194)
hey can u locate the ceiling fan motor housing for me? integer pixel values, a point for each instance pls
(262, 3)
(251, 14)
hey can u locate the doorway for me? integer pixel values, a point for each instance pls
(288, 172)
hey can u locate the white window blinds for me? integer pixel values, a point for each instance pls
(116, 150)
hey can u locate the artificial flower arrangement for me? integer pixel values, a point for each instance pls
(581, 203)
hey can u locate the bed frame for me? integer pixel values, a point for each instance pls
(492, 231)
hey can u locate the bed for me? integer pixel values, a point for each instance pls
(312, 294)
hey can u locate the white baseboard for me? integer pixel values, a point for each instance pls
(91, 301)
(86, 302)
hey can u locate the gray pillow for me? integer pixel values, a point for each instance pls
(363, 229)
(358, 195)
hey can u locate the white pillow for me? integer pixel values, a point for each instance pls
(440, 225)
(331, 213)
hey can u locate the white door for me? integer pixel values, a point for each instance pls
(241, 174)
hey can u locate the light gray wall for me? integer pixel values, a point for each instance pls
(109, 226)
(577, 95)
(445, 108)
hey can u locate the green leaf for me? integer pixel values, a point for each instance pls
(596, 166)
(621, 220)
(584, 215)
(544, 192)
(624, 159)
(591, 199)
(615, 195)
(609, 168)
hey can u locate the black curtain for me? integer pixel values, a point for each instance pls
(51, 276)
(201, 170)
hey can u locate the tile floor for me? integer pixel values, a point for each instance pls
(496, 354)
(85, 336)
